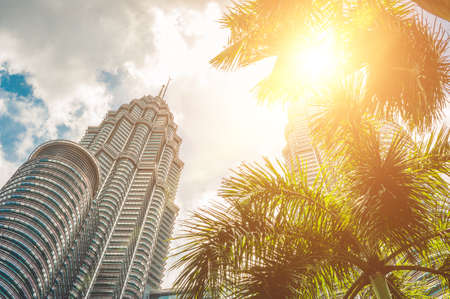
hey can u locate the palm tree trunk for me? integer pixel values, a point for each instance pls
(379, 284)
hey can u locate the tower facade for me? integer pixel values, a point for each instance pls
(46, 219)
(137, 151)
(92, 220)
(299, 148)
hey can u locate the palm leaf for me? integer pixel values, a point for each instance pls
(273, 226)
(406, 65)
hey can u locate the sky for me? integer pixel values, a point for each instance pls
(64, 64)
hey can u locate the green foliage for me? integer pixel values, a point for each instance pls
(380, 203)
(277, 237)
(403, 57)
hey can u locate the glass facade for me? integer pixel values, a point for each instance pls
(92, 220)
(44, 209)
(299, 147)
(137, 149)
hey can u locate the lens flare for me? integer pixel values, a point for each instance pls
(315, 59)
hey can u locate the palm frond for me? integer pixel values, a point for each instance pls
(261, 28)
(356, 287)
(277, 193)
(407, 70)
(390, 197)
(273, 236)
(216, 242)
(340, 117)
(435, 149)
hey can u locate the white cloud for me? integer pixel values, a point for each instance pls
(35, 122)
(7, 168)
(33, 117)
(2, 106)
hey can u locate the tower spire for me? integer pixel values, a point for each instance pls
(165, 88)
(161, 90)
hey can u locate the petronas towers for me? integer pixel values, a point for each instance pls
(92, 220)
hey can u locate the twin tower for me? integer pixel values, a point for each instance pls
(93, 219)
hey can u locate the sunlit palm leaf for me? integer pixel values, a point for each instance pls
(406, 64)
(277, 235)
(217, 243)
(341, 117)
(403, 56)
(260, 29)
(273, 238)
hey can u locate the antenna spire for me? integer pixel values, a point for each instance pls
(161, 91)
(165, 88)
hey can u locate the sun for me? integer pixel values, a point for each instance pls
(314, 60)
(318, 59)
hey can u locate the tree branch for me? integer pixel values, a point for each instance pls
(356, 287)
(349, 257)
(395, 291)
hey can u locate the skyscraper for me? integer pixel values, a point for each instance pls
(93, 220)
(46, 219)
(299, 147)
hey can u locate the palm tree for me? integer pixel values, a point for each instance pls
(386, 211)
(277, 237)
(402, 56)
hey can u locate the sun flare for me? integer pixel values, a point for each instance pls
(315, 60)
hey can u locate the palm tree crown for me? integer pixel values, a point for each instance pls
(403, 57)
(277, 237)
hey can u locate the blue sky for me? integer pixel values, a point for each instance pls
(16, 92)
